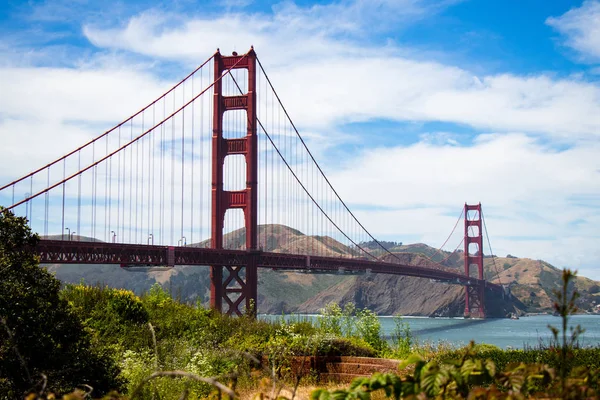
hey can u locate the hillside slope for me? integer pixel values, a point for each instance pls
(531, 281)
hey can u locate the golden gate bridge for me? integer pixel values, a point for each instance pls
(216, 153)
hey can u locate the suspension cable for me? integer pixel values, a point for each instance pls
(127, 144)
(109, 131)
(294, 174)
(321, 171)
(450, 235)
(490, 246)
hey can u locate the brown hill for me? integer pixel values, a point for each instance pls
(531, 281)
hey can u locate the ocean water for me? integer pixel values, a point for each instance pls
(504, 333)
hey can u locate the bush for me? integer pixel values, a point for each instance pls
(116, 317)
(351, 322)
(39, 332)
(485, 371)
(402, 339)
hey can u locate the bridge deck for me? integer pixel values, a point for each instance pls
(75, 252)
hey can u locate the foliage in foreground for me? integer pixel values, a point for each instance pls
(472, 377)
(41, 339)
(157, 348)
(466, 373)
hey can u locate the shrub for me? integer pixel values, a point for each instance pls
(485, 371)
(351, 322)
(402, 338)
(39, 332)
(116, 317)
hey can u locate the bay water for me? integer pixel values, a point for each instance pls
(527, 331)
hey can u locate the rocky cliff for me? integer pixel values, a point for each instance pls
(531, 281)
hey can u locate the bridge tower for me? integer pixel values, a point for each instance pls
(474, 300)
(240, 280)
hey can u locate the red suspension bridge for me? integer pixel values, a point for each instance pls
(216, 153)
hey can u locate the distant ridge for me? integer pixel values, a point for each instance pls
(531, 281)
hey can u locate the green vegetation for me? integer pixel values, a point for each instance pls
(42, 341)
(560, 371)
(97, 339)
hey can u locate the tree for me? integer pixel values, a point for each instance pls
(41, 339)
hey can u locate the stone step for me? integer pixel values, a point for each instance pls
(334, 377)
(340, 369)
(366, 360)
(355, 368)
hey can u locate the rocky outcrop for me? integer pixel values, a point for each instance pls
(403, 295)
(532, 281)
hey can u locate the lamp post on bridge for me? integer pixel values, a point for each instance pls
(71, 235)
(68, 234)
(150, 239)
(114, 236)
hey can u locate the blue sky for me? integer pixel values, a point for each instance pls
(491, 101)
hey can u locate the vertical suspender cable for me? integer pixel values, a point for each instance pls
(162, 176)
(30, 203)
(110, 196)
(63, 199)
(151, 182)
(142, 206)
(201, 208)
(119, 225)
(172, 221)
(130, 180)
(182, 157)
(265, 179)
(192, 174)
(137, 191)
(106, 222)
(47, 201)
(94, 191)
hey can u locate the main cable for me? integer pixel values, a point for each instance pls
(490, 246)
(26, 199)
(321, 171)
(109, 131)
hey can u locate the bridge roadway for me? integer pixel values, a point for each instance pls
(79, 252)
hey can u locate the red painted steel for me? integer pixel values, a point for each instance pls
(109, 155)
(239, 286)
(77, 252)
(244, 288)
(474, 295)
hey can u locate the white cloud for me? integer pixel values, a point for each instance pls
(328, 74)
(498, 170)
(345, 80)
(64, 94)
(290, 33)
(526, 188)
(581, 28)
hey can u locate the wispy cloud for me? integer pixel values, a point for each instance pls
(581, 29)
(528, 190)
(333, 64)
(303, 54)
